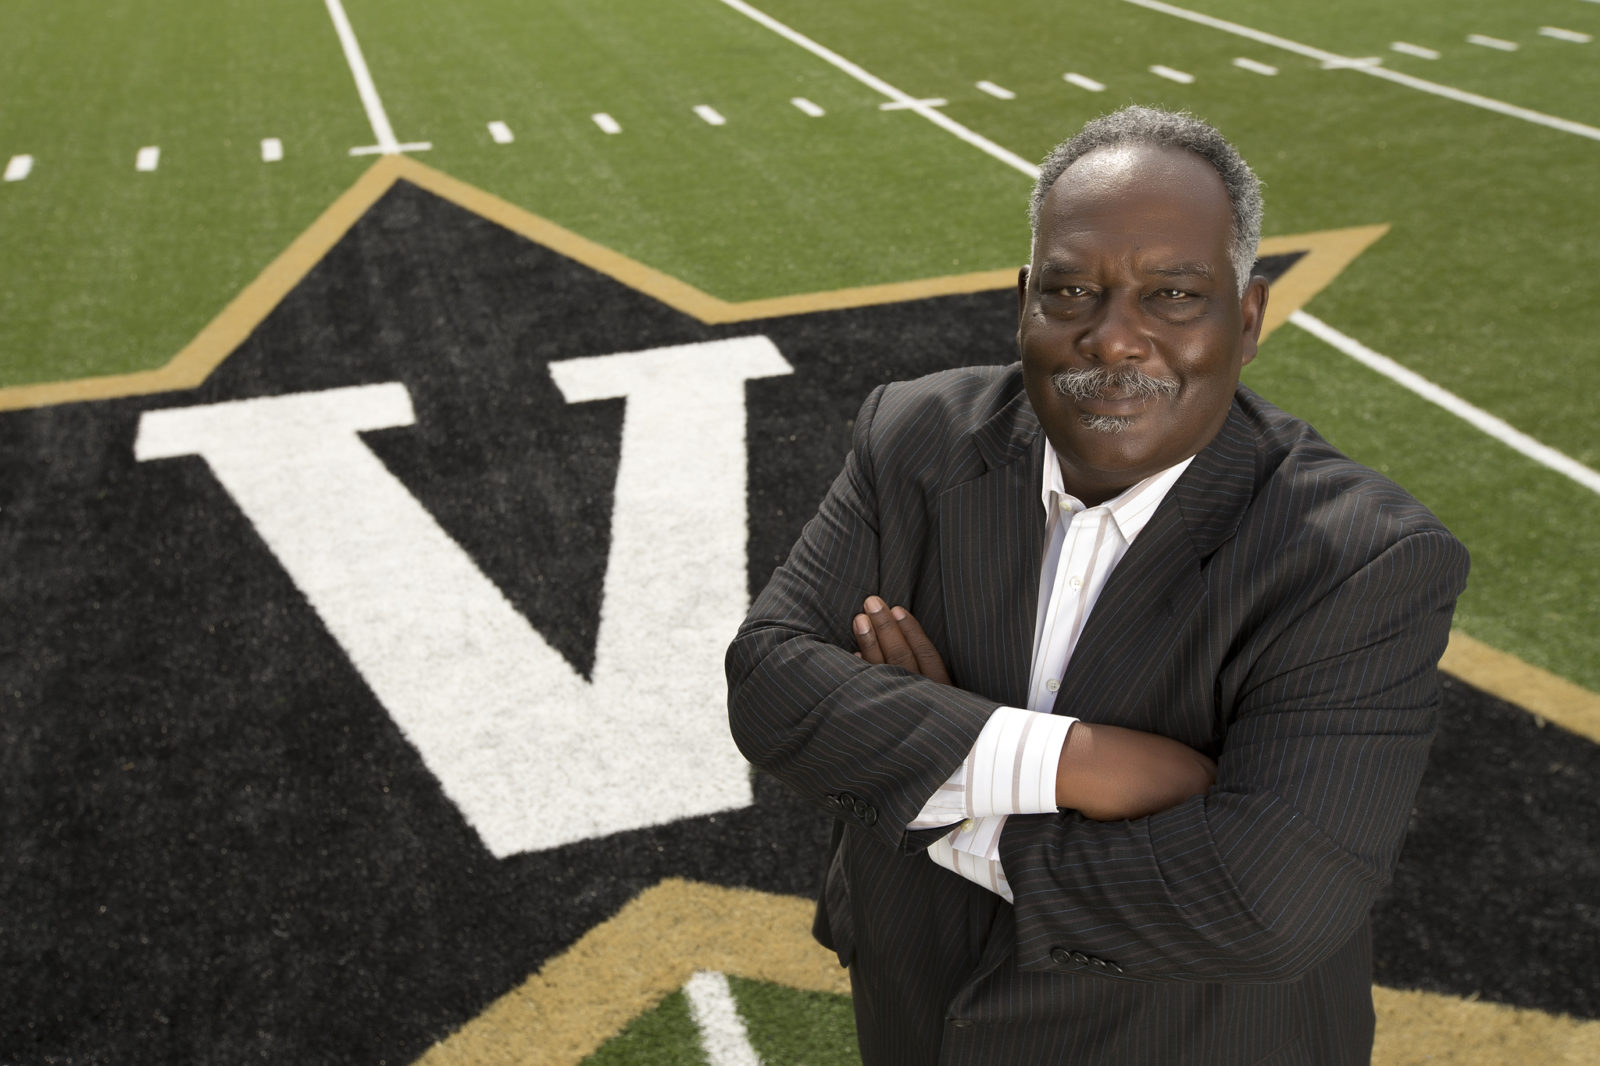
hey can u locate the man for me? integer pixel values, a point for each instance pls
(1230, 629)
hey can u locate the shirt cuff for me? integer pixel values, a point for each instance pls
(1012, 768)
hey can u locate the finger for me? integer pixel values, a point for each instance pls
(929, 662)
(891, 643)
(866, 641)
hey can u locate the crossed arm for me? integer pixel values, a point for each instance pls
(1106, 772)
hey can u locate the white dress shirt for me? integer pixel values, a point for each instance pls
(1012, 766)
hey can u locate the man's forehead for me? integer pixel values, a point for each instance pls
(1136, 189)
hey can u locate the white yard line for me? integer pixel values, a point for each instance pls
(1497, 428)
(913, 105)
(271, 150)
(1496, 43)
(500, 132)
(382, 131)
(1377, 71)
(716, 1015)
(1088, 83)
(1254, 67)
(877, 84)
(1559, 34)
(1413, 50)
(19, 167)
(710, 115)
(997, 91)
(147, 160)
(807, 106)
(606, 122)
(1170, 74)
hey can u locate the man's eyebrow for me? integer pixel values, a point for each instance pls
(1183, 270)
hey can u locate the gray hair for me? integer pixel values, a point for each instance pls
(1167, 129)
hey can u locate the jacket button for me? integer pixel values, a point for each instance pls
(1080, 958)
(1061, 956)
(845, 801)
(1101, 963)
(961, 1023)
(868, 815)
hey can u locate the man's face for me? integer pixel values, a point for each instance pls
(1131, 280)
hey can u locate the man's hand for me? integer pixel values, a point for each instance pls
(1109, 773)
(892, 636)
(1106, 772)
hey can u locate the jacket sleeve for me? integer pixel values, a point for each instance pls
(867, 743)
(1329, 716)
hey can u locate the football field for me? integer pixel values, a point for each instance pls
(222, 770)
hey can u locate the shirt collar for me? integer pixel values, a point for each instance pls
(1131, 509)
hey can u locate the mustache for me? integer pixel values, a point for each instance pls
(1129, 381)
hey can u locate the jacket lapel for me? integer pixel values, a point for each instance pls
(991, 529)
(1158, 587)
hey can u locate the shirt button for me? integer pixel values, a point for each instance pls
(1075, 582)
(1064, 505)
(967, 826)
(1052, 685)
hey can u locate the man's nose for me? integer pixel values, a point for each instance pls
(1117, 330)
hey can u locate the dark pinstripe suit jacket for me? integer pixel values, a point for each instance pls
(1283, 611)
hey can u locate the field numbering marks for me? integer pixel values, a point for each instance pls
(1417, 50)
(148, 159)
(807, 106)
(1083, 82)
(606, 123)
(500, 132)
(1498, 44)
(997, 91)
(1559, 34)
(271, 150)
(19, 167)
(1255, 67)
(710, 115)
(1179, 76)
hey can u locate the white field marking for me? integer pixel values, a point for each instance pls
(382, 132)
(1254, 67)
(148, 159)
(1178, 76)
(913, 105)
(710, 115)
(1497, 428)
(532, 754)
(722, 1031)
(807, 106)
(877, 84)
(19, 167)
(1538, 118)
(1559, 34)
(606, 122)
(1088, 83)
(500, 132)
(1351, 62)
(271, 150)
(999, 92)
(1496, 43)
(1413, 50)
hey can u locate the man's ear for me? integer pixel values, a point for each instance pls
(1253, 311)
(1022, 292)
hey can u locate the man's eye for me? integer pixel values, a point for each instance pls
(1172, 294)
(1072, 290)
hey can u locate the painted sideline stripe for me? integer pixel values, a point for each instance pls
(722, 1032)
(1413, 50)
(1254, 67)
(1492, 42)
(710, 114)
(1497, 428)
(1170, 74)
(606, 122)
(872, 81)
(1093, 86)
(807, 106)
(1560, 34)
(271, 150)
(148, 159)
(997, 91)
(1538, 118)
(19, 167)
(500, 132)
(387, 144)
